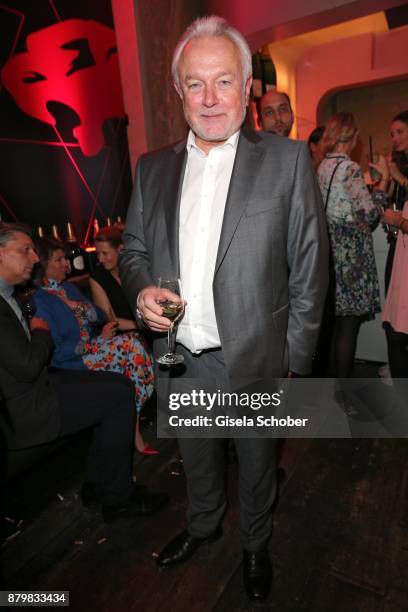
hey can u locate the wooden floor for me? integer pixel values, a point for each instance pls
(340, 542)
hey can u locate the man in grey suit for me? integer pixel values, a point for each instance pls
(237, 216)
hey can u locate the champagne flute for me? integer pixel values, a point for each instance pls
(173, 311)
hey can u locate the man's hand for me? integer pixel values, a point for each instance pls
(148, 303)
(37, 323)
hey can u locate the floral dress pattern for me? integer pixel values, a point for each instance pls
(126, 354)
(352, 214)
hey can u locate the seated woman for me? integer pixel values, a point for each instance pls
(82, 336)
(105, 282)
(107, 293)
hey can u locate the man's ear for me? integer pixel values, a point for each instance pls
(248, 86)
(178, 89)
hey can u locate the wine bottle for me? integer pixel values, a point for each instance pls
(40, 232)
(95, 228)
(55, 232)
(119, 223)
(75, 253)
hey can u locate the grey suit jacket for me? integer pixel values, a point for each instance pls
(271, 271)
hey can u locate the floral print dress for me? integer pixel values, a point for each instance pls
(352, 214)
(126, 353)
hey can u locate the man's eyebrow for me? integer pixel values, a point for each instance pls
(189, 77)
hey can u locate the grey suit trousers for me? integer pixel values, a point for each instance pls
(204, 464)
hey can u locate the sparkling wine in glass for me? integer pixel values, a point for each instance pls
(172, 310)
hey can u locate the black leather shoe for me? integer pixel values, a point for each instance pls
(91, 495)
(183, 547)
(140, 504)
(257, 573)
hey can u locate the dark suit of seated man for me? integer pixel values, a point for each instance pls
(38, 405)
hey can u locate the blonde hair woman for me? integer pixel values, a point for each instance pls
(352, 214)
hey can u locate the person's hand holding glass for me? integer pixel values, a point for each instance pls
(173, 308)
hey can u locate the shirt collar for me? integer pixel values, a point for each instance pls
(231, 142)
(6, 290)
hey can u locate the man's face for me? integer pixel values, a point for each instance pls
(212, 89)
(17, 258)
(276, 114)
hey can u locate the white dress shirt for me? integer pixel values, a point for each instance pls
(203, 197)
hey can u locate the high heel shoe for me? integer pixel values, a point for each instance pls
(149, 450)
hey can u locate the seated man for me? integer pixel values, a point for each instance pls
(40, 405)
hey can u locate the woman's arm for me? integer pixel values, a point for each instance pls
(100, 298)
(395, 218)
(367, 208)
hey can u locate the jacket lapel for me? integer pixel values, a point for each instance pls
(7, 309)
(173, 182)
(246, 167)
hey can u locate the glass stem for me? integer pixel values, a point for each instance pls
(171, 337)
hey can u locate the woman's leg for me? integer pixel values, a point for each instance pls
(397, 344)
(139, 440)
(345, 342)
(129, 355)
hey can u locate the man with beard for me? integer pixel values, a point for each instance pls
(275, 113)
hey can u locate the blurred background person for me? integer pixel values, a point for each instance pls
(352, 214)
(314, 142)
(395, 313)
(83, 336)
(105, 282)
(398, 192)
(275, 113)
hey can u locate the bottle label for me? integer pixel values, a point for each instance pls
(78, 263)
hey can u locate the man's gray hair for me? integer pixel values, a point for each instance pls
(212, 26)
(7, 231)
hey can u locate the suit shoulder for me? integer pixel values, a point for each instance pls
(282, 144)
(152, 157)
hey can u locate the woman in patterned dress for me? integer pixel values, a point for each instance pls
(82, 334)
(352, 214)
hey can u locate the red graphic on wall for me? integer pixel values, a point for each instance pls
(71, 65)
